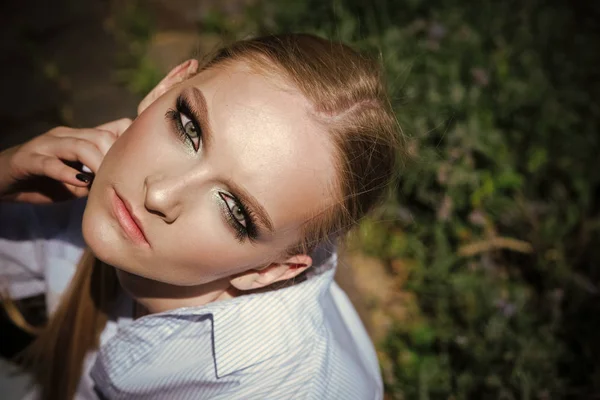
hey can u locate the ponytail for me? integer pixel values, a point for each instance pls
(56, 356)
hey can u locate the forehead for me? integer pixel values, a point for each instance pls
(265, 140)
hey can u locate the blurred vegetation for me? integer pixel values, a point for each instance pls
(132, 26)
(496, 227)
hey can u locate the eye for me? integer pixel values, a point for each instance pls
(190, 129)
(234, 208)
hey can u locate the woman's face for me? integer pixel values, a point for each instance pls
(215, 178)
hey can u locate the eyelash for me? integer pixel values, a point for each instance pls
(182, 107)
(242, 232)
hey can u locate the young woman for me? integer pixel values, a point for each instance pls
(210, 226)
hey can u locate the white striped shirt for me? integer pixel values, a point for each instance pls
(303, 341)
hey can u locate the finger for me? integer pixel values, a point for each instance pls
(33, 198)
(78, 191)
(52, 167)
(102, 139)
(55, 190)
(76, 149)
(116, 127)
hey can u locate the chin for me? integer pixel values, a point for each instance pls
(105, 242)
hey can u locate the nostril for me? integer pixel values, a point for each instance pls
(163, 216)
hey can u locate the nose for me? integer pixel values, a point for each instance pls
(164, 197)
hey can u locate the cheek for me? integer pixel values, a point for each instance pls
(202, 257)
(134, 146)
(203, 250)
(144, 137)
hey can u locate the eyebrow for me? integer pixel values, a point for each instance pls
(200, 110)
(251, 203)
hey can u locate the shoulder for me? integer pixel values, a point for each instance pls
(24, 221)
(309, 340)
(306, 338)
(39, 246)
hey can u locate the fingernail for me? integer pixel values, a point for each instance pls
(83, 178)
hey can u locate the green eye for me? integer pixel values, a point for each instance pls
(190, 129)
(238, 214)
(234, 209)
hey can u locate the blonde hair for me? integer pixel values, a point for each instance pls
(348, 97)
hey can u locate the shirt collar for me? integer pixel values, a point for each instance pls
(246, 330)
(253, 328)
(262, 326)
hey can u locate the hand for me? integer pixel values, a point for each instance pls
(42, 170)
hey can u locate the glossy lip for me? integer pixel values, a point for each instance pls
(130, 224)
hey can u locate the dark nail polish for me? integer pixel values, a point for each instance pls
(83, 178)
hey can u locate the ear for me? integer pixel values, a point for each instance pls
(178, 74)
(275, 272)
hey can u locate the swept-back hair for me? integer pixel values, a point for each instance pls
(347, 97)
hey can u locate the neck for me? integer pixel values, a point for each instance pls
(158, 297)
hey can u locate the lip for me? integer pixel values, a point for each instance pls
(130, 224)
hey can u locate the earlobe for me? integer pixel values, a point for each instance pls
(275, 272)
(178, 74)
